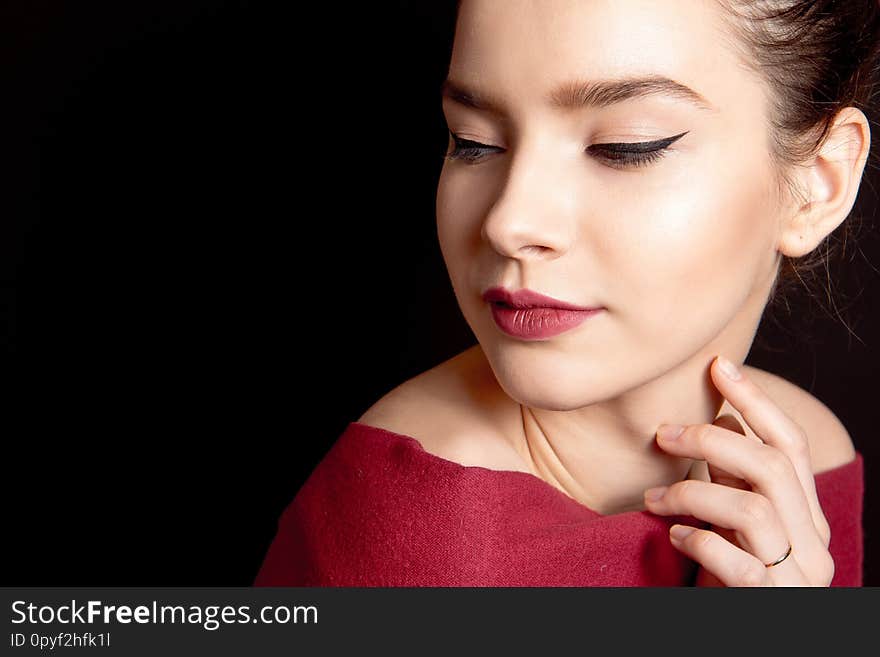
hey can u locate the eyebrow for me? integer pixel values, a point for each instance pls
(579, 94)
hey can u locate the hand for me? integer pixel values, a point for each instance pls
(761, 497)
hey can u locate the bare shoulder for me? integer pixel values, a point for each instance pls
(450, 410)
(830, 443)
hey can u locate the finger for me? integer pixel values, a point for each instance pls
(757, 527)
(721, 476)
(718, 474)
(773, 426)
(728, 421)
(768, 470)
(732, 565)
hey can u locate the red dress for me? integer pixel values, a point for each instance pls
(379, 510)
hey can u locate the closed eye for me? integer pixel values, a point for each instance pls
(615, 154)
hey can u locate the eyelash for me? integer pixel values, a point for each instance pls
(620, 155)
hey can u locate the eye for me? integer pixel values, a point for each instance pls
(465, 149)
(619, 155)
(623, 155)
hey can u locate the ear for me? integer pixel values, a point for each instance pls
(831, 181)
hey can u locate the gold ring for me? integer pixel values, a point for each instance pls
(778, 561)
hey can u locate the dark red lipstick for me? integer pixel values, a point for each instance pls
(529, 315)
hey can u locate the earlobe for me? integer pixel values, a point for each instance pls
(831, 181)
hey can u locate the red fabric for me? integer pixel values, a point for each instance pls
(379, 510)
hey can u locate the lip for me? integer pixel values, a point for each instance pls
(526, 298)
(528, 315)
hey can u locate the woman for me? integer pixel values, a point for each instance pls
(627, 184)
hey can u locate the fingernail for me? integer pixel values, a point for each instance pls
(728, 368)
(669, 431)
(681, 532)
(654, 494)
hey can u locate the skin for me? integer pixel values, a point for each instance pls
(681, 252)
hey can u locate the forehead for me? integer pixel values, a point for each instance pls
(520, 50)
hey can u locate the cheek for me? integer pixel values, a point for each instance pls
(457, 233)
(448, 214)
(706, 242)
(446, 211)
(459, 210)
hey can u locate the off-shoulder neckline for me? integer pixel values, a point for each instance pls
(535, 480)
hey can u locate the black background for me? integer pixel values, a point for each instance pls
(209, 208)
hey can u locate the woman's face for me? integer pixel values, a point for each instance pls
(679, 248)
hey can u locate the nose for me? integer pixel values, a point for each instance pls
(532, 216)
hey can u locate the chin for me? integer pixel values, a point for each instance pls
(548, 385)
(551, 398)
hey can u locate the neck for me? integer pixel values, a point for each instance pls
(605, 455)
